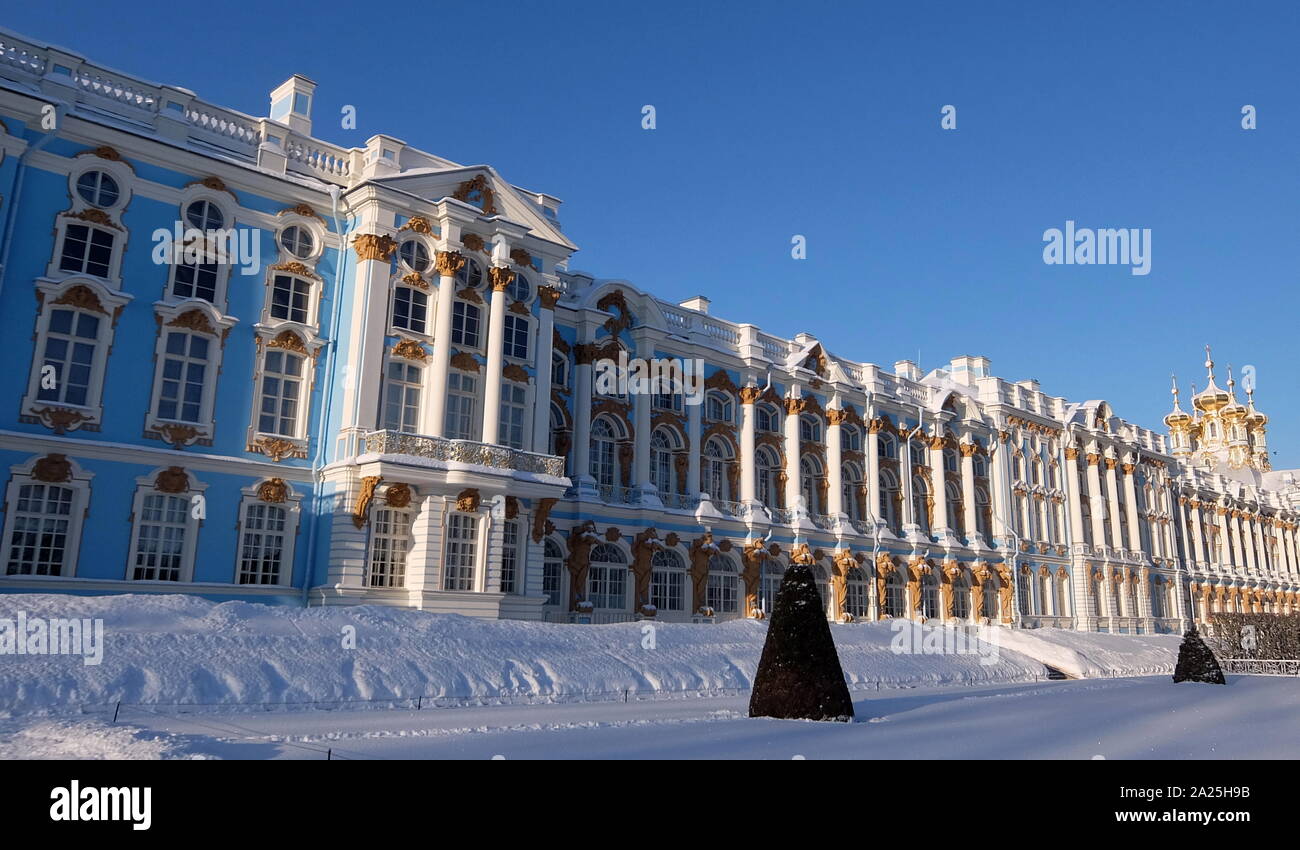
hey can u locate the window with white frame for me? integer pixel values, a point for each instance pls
(894, 596)
(552, 573)
(166, 527)
(810, 429)
(516, 337)
(470, 274)
(414, 255)
(723, 590)
(462, 394)
(519, 288)
(184, 370)
(98, 188)
(42, 527)
(204, 215)
(290, 298)
(886, 446)
(390, 543)
(265, 543)
(604, 454)
(559, 370)
(713, 470)
(194, 279)
(298, 241)
(510, 556)
(850, 438)
(661, 462)
(930, 598)
(410, 309)
(465, 321)
(767, 420)
(402, 384)
(767, 466)
(717, 407)
(87, 249)
(1023, 594)
(514, 409)
(608, 577)
(462, 552)
(70, 348)
(667, 581)
(281, 392)
(855, 597)
(771, 583)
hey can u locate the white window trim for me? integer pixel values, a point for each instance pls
(61, 416)
(270, 444)
(430, 307)
(426, 372)
(79, 481)
(476, 423)
(483, 325)
(292, 505)
(168, 316)
(530, 342)
(482, 530)
(296, 270)
(145, 486)
(80, 212)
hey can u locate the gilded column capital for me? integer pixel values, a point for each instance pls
(448, 263)
(834, 415)
(795, 405)
(373, 246)
(548, 296)
(750, 395)
(1072, 453)
(500, 278)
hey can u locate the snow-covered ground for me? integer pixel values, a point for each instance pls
(1134, 718)
(184, 650)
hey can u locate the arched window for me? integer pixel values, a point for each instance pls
(1059, 600)
(850, 438)
(1045, 593)
(607, 579)
(767, 466)
(604, 453)
(519, 288)
(559, 370)
(810, 429)
(717, 407)
(983, 512)
(810, 476)
(1157, 597)
(553, 573)
(950, 462)
(856, 594)
(980, 465)
(768, 421)
(888, 508)
(918, 453)
(713, 471)
(886, 446)
(667, 581)
(990, 589)
(823, 582)
(661, 462)
(851, 481)
(953, 503)
(722, 594)
(921, 503)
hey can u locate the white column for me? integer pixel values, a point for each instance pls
(694, 431)
(641, 404)
(873, 469)
(582, 412)
(748, 428)
(793, 406)
(1112, 493)
(1130, 499)
(834, 462)
(1094, 498)
(546, 298)
(1000, 498)
(938, 490)
(969, 511)
(1225, 538)
(1073, 492)
(448, 263)
(1198, 555)
(501, 278)
(362, 401)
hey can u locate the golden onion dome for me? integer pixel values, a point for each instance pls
(1177, 418)
(1211, 398)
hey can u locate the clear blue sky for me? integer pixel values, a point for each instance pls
(823, 120)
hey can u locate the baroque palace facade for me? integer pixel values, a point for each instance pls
(386, 396)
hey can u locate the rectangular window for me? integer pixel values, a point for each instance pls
(281, 391)
(410, 309)
(184, 369)
(86, 250)
(38, 544)
(402, 398)
(464, 324)
(195, 280)
(510, 557)
(516, 337)
(390, 540)
(608, 586)
(721, 593)
(262, 543)
(160, 538)
(289, 298)
(70, 345)
(461, 391)
(510, 431)
(462, 550)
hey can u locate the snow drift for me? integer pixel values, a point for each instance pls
(183, 650)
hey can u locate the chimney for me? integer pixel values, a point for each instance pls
(699, 302)
(907, 369)
(291, 103)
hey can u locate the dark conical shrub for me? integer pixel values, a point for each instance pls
(799, 675)
(1196, 663)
